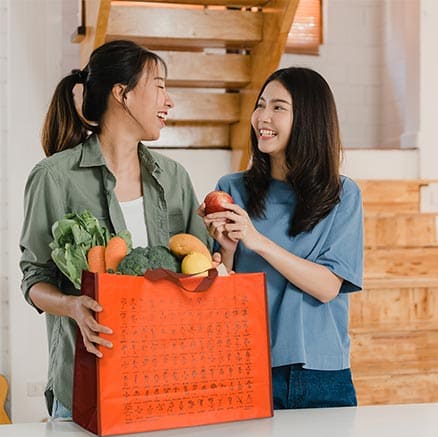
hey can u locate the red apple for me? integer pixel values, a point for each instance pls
(214, 199)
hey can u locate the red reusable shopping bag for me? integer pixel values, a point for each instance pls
(179, 357)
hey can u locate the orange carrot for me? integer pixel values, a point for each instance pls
(96, 259)
(115, 251)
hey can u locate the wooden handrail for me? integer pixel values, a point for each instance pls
(265, 57)
(96, 23)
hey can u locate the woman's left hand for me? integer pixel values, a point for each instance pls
(238, 226)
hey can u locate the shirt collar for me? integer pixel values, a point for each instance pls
(92, 155)
(147, 159)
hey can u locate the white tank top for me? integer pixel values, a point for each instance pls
(134, 218)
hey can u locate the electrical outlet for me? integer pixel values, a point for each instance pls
(35, 389)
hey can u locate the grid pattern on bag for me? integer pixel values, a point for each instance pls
(183, 358)
(205, 363)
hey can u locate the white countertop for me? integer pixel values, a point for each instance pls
(413, 420)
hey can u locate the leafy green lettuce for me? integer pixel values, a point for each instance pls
(73, 235)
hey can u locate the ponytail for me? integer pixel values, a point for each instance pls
(114, 62)
(63, 127)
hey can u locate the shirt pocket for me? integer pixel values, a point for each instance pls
(176, 223)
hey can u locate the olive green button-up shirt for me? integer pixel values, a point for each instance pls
(78, 179)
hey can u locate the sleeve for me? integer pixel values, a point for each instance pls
(42, 207)
(342, 251)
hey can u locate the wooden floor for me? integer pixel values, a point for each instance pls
(394, 321)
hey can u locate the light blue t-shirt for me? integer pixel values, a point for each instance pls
(304, 330)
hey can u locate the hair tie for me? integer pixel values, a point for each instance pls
(80, 75)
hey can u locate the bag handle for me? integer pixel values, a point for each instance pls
(204, 285)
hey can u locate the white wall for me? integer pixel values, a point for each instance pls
(350, 61)
(400, 74)
(428, 94)
(370, 59)
(4, 304)
(34, 54)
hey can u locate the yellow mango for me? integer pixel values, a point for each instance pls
(195, 262)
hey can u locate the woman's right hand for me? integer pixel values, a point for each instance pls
(50, 299)
(215, 224)
(81, 309)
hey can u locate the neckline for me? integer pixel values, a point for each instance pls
(132, 202)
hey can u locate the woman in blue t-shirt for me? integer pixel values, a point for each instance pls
(299, 221)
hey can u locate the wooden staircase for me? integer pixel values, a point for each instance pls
(218, 52)
(394, 321)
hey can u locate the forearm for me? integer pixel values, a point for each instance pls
(227, 258)
(79, 308)
(50, 299)
(314, 279)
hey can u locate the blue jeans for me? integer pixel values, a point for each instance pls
(60, 412)
(295, 387)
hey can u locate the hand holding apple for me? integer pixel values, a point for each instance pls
(213, 201)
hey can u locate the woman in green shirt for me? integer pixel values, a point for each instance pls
(95, 161)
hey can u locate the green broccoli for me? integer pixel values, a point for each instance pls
(141, 259)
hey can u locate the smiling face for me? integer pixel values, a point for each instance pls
(149, 103)
(272, 120)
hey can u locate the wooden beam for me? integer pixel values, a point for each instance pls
(402, 262)
(193, 135)
(153, 26)
(393, 351)
(277, 20)
(204, 107)
(205, 70)
(408, 302)
(96, 22)
(401, 230)
(391, 196)
(396, 389)
(382, 282)
(244, 3)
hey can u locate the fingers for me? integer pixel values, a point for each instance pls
(90, 347)
(89, 327)
(92, 340)
(222, 216)
(215, 229)
(90, 303)
(237, 235)
(217, 259)
(201, 210)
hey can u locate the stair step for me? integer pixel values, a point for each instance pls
(401, 230)
(413, 363)
(402, 262)
(187, 135)
(396, 389)
(385, 328)
(205, 70)
(244, 3)
(391, 195)
(387, 354)
(389, 282)
(180, 27)
(205, 107)
(403, 304)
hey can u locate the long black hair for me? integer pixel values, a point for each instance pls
(313, 152)
(112, 63)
